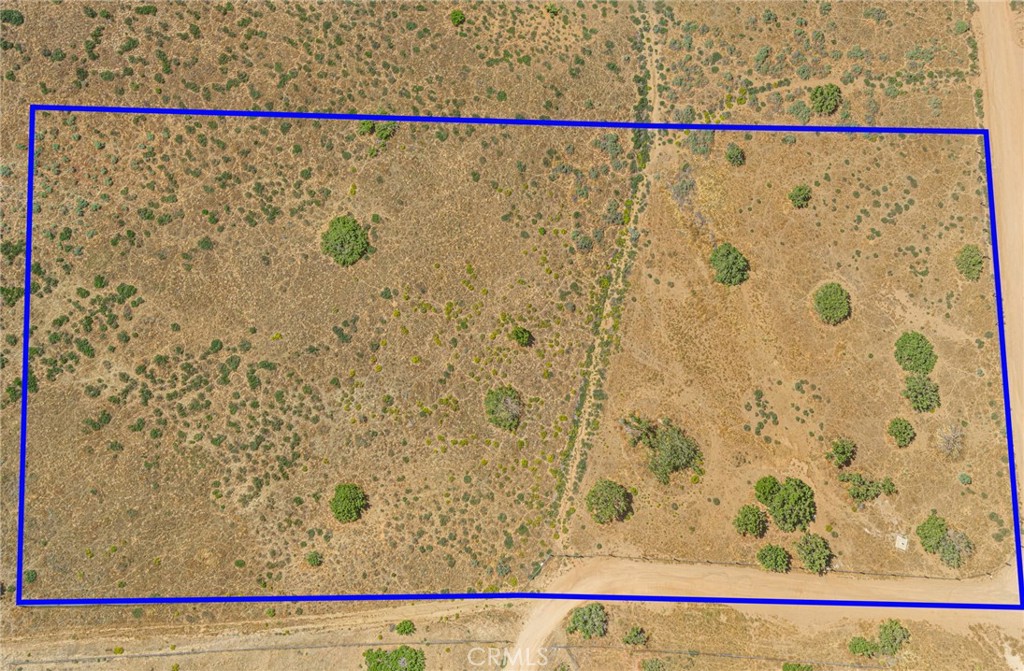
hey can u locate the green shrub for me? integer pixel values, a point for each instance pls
(405, 628)
(345, 241)
(815, 553)
(591, 621)
(825, 99)
(862, 490)
(504, 407)
(914, 353)
(751, 521)
(31, 576)
(969, 262)
(636, 636)
(952, 546)
(348, 503)
(774, 558)
(12, 17)
(608, 501)
(457, 17)
(654, 664)
(832, 303)
(673, 451)
(402, 658)
(521, 336)
(794, 666)
(146, 10)
(842, 453)
(902, 431)
(862, 647)
(932, 533)
(922, 393)
(731, 267)
(735, 155)
(790, 504)
(314, 559)
(891, 636)
(800, 196)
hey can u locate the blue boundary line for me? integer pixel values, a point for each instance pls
(113, 601)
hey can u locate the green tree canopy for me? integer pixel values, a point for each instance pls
(800, 196)
(345, 241)
(735, 155)
(901, 431)
(815, 553)
(791, 504)
(731, 267)
(608, 501)
(521, 336)
(348, 503)
(774, 558)
(969, 261)
(922, 393)
(832, 303)
(914, 353)
(842, 453)
(751, 521)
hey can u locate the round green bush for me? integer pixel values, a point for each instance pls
(405, 628)
(522, 336)
(345, 241)
(751, 521)
(914, 353)
(457, 17)
(902, 431)
(504, 406)
(314, 559)
(774, 558)
(842, 453)
(608, 501)
(800, 196)
(825, 99)
(12, 17)
(348, 503)
(735, 155)
(590, 620)
(792, 506)
(731, 267)
(922, 393)
(969, 262)
(832, 303)
(815, 553)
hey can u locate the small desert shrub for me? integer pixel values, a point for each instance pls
(815, 553)
(12, 17)
(345, 241)
(902, 431)
(314, 559)
(402, 657)
(862, 647)
(405, 628)
(636, 636)
(922, 393)
(842, 453)
(969, 262)
(521, 336)
(832, 303)
(735, 155)
(457, 17)
(952, 546)
(751, 521)
(800, 196)
(731, 267)
(590, 621)
(504, 406)
(774, 558)
(891, 636)
(348, 503)
(791, 503)
(825, 99)
(608, 501)
(671, 449)
(914, 353)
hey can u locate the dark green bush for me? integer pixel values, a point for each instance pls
(902, 431)
(735, 155)
(405, 628)
(348, 503)
(402, 658)
(521, 336)
(832, 303)
(969, 262)
(591, 621)
(608, 501)
(12, 17)
(766, 488)
(146, 10)
(800, 196)
(345, 241)
(774, 558)
(504, 407)
(751, 521)
(815, 553)
(731, 267)
(914, 353)
(457, 17)
(842, 453)
(792, 505)
(825, 99)
(922, 393)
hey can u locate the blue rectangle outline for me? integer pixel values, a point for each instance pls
(19, 600)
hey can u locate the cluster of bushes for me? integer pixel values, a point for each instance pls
(504, 407)
(792, 507)
(915, 354)
(813, 550)
(671, 449)
(731, 267)
(609, 501)
(862, 489)
(590, 621)
(952, 546)
(402, 658)
(345, 241)
(891, 637)
(791, 504)
(842, 453)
